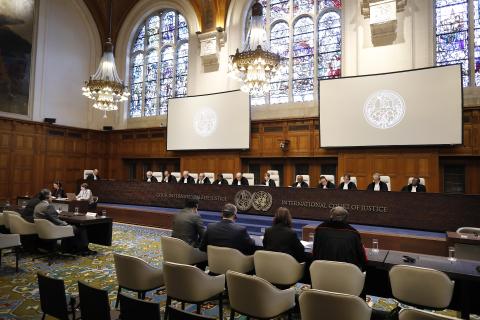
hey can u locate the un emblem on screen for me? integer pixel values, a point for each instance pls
(384, 109)
(205, 122)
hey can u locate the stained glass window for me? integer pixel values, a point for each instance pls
(159, 63)
(307, 35)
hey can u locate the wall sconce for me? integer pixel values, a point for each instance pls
(383, 19)
(284, 145)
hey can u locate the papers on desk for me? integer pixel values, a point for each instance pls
(62, 199)
(91, 214)
(307, 244)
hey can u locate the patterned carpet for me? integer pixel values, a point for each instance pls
(19, 296)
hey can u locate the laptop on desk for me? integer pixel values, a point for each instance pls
(71, 196)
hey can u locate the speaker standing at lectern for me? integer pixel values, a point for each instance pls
(415, 186)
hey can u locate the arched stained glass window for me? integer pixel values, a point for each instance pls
(308, 36)
(159, 63)
(455, 22)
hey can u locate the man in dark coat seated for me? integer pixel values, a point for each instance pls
(150, 177)
(186, 178)
(325, 184)
(239, 180)
(168, 178)
(336, 240)
(300, 183)
(220, 180)
(415, 186)
(202, 179)
(268, 182)
(226, 233)
(377, 184)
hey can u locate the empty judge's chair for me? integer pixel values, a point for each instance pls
(228, 177)
(329, 177)
(210, 176)
(276, 178)
(222, 259)
(386, 179)
(422, 180)
(178, 251)
(352, 179)
(421, 287)
(306, 178)
(468, 251)
(336, 276)
(325, 305)
(177, 175)
(257, 298)
(250, 177)
(86, 173)
(267, 267)
(158, 175)
(415, 314)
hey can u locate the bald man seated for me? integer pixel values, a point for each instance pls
(186, 178)
(239, 180)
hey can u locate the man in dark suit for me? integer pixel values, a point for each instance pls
(188, 225)
(220, 180)
(27, 212)
(336, 240)
(415, 186)
(325, 184)
(226, 233)
(186, 178)
(202, 179)
(268, 182)
(377, 184)
(347, 184)
(300, 183)
(93, 176)
(239, 180)
(150, 177)
(168, 178)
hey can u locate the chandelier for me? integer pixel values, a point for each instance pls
(105, 87)
(255, 65)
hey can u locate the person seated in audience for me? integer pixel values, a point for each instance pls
(377, 184)
(347, 184)
(226, 233)
(168, 178)
(202, 179)
(268, 182)
(187, 178)
(27, 212)
(150, 177)
(86, 194)
(239, 180)
(188, 225)
(325, 184)
(415, 186)
(57, 191)
(220, 180)
(282, 238)
(45, 210)
(300, 183)
(93, 176)
(336, 240)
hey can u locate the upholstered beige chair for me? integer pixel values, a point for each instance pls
(6, 217)
(21, 226)
(46, 230)
(325, 305)
(135, 274)
(250, 177)
(267, 267)
(228, 177)
(158, 175)
(467, 251)
(421, 286)
(336, 276)
(178, 251)
(414, 314)
(256, 297)
(10, 241)
(387, 180)
(221, 259)
(2, 219)
(189, 284)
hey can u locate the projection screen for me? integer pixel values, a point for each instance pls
(208, 122)
(417, 107)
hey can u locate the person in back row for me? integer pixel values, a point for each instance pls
(220, 180)
(415, 186)
(300, 183)
(377, 184)
(347, 184)
(168, 178)
(188, 225)
(325, 184)
(336, 240)
(226, 233)
(239, 180)
(57, 191)
(282, 238)
(150, 177)
(93, 176)
(186, 178)
(202, 179)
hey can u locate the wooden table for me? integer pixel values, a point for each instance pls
(59, 204)
(99, 229)
(464, 238)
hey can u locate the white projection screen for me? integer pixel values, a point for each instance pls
(416, 107)
(209, 122)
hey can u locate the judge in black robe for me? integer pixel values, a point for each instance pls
(325, 184)
(220, 180)
(186, 178)
(269, 182)
(239, 180)
(202, 179)
(168, 178)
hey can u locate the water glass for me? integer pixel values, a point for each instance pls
(76, 210)
(311, 236)
(104, 213)
(7, 203)
(451, 254)
(375, 245)
(262, 230)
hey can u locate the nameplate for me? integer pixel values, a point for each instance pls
(91, 214)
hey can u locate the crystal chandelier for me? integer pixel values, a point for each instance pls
(105, 87)
(255, 65)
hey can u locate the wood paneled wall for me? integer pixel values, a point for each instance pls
(32, 155)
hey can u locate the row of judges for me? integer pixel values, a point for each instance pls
(324, 183)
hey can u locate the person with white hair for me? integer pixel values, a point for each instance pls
(336, 240)
(377, 184)
(186, 178)
(150, 177)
